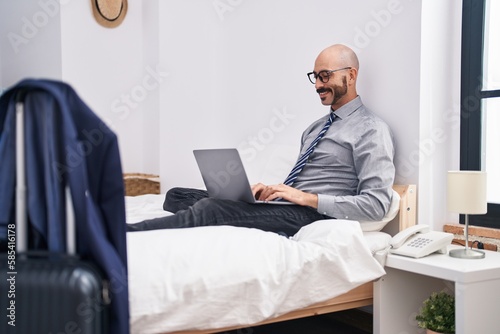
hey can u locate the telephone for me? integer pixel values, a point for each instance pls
(419, 241)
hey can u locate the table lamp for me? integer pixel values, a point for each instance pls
(467, 195)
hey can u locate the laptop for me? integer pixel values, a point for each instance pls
(225, 177)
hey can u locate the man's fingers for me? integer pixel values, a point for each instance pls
(257, 190)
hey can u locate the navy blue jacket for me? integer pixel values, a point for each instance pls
(66, 141)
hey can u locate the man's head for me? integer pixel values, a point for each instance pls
(335, 74)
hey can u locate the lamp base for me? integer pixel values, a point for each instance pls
(467, 253)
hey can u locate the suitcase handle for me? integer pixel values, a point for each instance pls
(21, 212)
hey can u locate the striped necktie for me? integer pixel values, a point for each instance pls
(299, 165)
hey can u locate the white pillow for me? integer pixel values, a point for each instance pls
(377, 241)
(370, 226)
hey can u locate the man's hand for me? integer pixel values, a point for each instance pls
(268, 193)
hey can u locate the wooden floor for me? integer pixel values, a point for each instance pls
(344, 322)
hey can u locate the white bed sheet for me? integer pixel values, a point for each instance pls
(220, 276)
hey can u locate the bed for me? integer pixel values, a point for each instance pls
(220, 278)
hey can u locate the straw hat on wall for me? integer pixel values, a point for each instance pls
(109, 13)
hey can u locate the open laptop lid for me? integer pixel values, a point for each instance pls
(224, 175)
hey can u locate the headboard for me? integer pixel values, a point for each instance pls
(407, 215)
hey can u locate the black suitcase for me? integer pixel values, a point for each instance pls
(54, 294)
(43, 292)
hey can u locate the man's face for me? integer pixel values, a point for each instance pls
(334, 74)
(332, 91)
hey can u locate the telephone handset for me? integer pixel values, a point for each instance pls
(419, 241)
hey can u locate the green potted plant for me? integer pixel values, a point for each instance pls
(437, 313)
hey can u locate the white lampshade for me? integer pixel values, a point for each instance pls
(467, 192)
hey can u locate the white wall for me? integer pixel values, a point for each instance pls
(439, 138)
(235, 68)
(180, 75)
(30, 41)
(107, 67)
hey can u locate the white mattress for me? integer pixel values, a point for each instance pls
(220, 276)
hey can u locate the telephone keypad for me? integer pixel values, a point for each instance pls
(419, 242)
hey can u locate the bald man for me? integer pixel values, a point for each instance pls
(348, 175)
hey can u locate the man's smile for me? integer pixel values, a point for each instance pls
(323, 92)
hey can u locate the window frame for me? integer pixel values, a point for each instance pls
(471, 97)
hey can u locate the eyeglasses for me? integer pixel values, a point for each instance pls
(324, 75)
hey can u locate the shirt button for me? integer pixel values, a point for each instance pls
(346, 217)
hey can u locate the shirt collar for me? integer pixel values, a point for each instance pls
(347, 109)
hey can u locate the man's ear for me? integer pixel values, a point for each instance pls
(353, 74)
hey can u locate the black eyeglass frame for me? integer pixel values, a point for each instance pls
(328, 75)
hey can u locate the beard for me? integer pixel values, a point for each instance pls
(339, 91)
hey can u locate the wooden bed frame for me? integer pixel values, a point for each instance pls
(358, 297)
